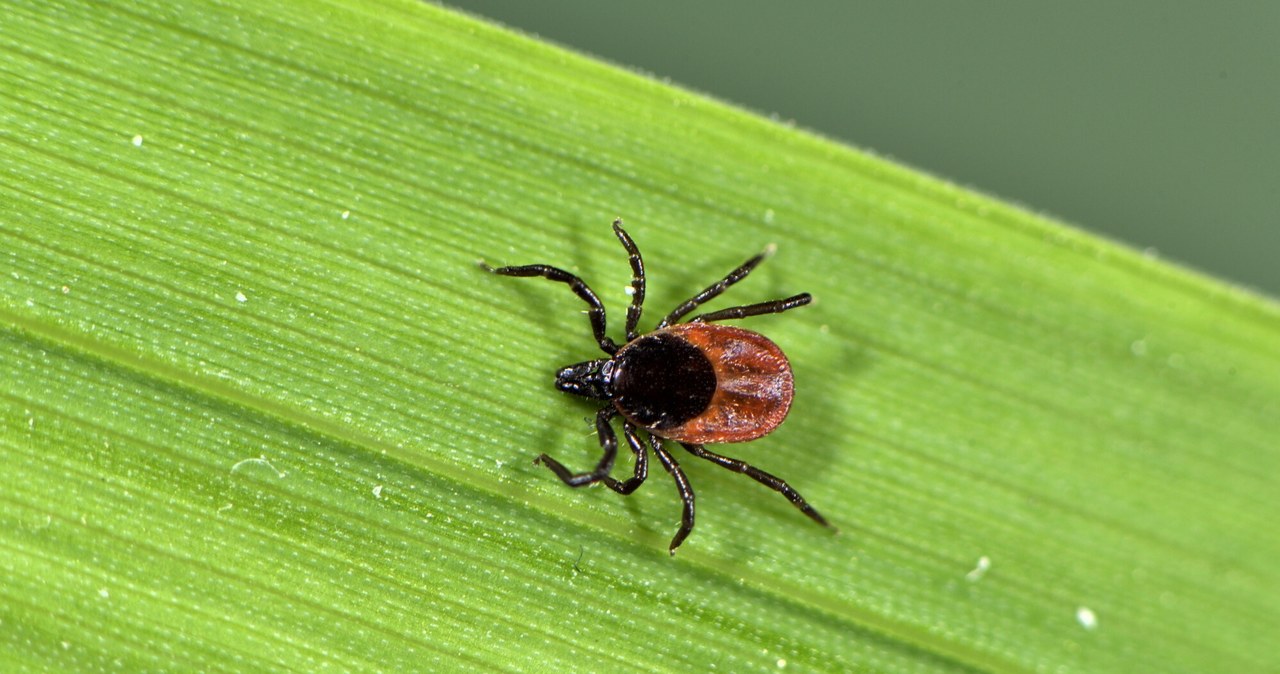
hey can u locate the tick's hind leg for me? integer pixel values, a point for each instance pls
(596, 311)
(682, 485)
(773, 307)
(642, 463)
(771, 481)
(608, 442)
(713, 290)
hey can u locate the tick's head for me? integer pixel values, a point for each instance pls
(590, 379)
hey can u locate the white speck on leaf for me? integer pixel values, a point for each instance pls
(1086, 618)
(984, 563)
(260, 461)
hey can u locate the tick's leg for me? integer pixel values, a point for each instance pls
(637, 279)
(608, 442)
(713, 290)
(682, 485)
(774, 307)
(642, 463)
(596, 311)
(775, 483)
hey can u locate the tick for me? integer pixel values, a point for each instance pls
(691, 382)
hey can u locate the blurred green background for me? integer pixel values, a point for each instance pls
(1149, 123)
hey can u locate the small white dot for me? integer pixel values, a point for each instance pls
(1086, 618)
(984, 563)
(782, 663)
(137, 141)
(240, 297)
(377, 491)
(346, 214)
(103, 593)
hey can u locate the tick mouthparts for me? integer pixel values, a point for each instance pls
(589, 379)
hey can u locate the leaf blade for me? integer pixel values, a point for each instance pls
(271, 303)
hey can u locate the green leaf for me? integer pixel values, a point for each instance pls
(261, 410)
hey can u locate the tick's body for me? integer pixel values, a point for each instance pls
(693, 383)
(701, 382)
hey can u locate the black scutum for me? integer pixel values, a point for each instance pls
(662, 381)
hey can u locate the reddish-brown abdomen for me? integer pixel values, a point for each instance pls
(753, 387)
